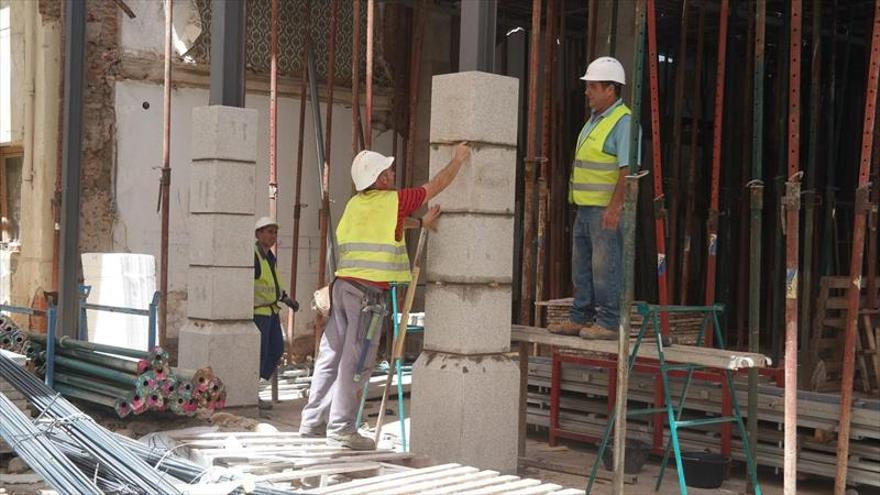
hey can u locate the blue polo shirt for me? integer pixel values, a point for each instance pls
(617, 143)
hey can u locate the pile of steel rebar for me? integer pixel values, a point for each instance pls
(76, 455)
(126, 380)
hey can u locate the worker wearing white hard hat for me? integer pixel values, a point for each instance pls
(268, 294)
(596, 189)
(372, 255)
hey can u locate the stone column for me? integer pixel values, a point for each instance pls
(220, 331)
(465, 388)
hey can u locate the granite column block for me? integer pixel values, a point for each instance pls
(220, 332)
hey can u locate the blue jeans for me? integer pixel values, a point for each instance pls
(596, 270)
(271, 343)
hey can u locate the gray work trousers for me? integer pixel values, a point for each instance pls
(333, 395)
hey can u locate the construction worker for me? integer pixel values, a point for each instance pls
(268, 293)
(596, 187)
(372, 254)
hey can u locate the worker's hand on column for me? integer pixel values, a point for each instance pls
(611, 218)
(429, 220)
(462, 152)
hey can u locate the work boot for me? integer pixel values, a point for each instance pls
(567, 327)
(319, 432)
(354, 441)
(595, 332)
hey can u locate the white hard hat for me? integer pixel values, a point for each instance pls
(265, 222)
(366, 167)
(605, 69)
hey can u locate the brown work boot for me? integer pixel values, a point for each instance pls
(595, 332)
(567, 327)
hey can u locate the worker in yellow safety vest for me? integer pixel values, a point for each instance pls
(596, 189)
(372, 255)
(268, 294)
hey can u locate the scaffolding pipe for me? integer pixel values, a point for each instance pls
(675, 164)
(756, 196)
(415, 60)
(657, 154)
(324, 217)
(792, 242)
(165, 179)
(690, 204)
(809, 195)
(712, 223)
(356, 78)
(858, 247)
(368, 121)
(630, 206)
(297, 197)
(543, 177)
(528, 273)
(273, 111)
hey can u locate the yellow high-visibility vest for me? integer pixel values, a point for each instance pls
(595, 173)
(367, 246)
(267, 288)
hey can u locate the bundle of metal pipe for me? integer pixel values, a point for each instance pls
(97, 442)
(129, 381)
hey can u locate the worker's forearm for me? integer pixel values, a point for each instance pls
(411, 223)
(617, 198)
(442, 180)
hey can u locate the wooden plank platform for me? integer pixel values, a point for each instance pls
(446, 479)
(703, 356)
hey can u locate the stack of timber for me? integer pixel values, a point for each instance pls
(126, 380)
(446, 479)
(282, 458)
(826, 351)
(584, 409)
(685, 327)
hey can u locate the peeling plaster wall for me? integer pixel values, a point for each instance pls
(41, 48)
(137, 226)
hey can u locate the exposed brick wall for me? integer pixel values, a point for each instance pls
(99, 133)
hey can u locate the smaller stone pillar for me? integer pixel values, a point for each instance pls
(220, 331)
(465, 395)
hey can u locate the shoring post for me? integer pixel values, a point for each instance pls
(756, 195)
(690, 204)
(546, 153)
(273, 141)
(528, 273)
(612, 32)
(629, 249)
(368, 121)
(165, 178)
(809, 195)
(657, 154)
(858, 247)
(712, 224)
(675, 164)
(324, 219)
(273, 111)
(297, 197)
(792, 244)
(355, 77)
(420, 13)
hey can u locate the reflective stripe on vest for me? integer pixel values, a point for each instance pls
(267, 288)
(366, 235)
(595, 173)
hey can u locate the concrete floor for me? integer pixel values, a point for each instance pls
(577, 457)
